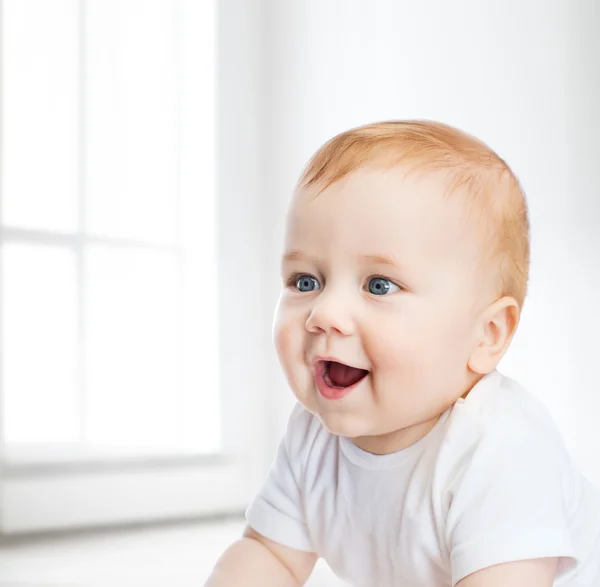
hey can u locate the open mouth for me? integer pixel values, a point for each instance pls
(334, 379)
(341, 376)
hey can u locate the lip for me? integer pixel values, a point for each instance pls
(331, 358)
(326, 390)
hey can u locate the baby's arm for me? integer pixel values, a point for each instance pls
(255, 561)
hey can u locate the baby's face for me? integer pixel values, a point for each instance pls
(378, 275)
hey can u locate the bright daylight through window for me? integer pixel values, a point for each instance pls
(107, 208)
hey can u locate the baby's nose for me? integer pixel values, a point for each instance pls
(330, 314)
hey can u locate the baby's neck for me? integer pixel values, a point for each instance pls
(398, 440)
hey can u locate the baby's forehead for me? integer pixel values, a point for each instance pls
(394, 198)
(383, 210)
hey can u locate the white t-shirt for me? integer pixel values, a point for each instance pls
(492, 482)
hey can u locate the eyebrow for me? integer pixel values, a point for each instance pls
(293, 256)
(381, 260)
(375, 259)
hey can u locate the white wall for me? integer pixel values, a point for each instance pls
(244, 323)
(523, 76)
(583, 115)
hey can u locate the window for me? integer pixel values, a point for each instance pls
(108, 271)
(108, 260)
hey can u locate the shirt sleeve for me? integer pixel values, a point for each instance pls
(277, 511)
(509, 502)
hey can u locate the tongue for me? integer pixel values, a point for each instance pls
(343, 375)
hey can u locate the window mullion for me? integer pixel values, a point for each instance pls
(81, 224)
(181, 372)
(2, 411)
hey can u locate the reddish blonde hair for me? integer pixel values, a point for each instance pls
(492, 193)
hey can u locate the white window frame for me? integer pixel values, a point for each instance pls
(50, 496)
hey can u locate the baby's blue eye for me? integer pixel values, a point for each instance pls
(307, 283)
(379, 286)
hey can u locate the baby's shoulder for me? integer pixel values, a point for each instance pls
(500, 418)
(500, 405)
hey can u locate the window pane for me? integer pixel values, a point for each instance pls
(131, 119)
(132, 395)
(39, 118)
(202, 421)
(201, 418)
(39, 342)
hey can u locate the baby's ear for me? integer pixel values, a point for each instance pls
(497, 327)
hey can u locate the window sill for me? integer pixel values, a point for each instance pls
(44, 497)
(32, 461)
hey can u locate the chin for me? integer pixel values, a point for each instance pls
(342, 424)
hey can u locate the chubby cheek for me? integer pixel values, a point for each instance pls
(407, 356)
(397, 347)
(289, 340)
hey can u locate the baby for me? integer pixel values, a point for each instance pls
(409, 459)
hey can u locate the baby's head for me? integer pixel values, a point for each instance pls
(407, 258)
